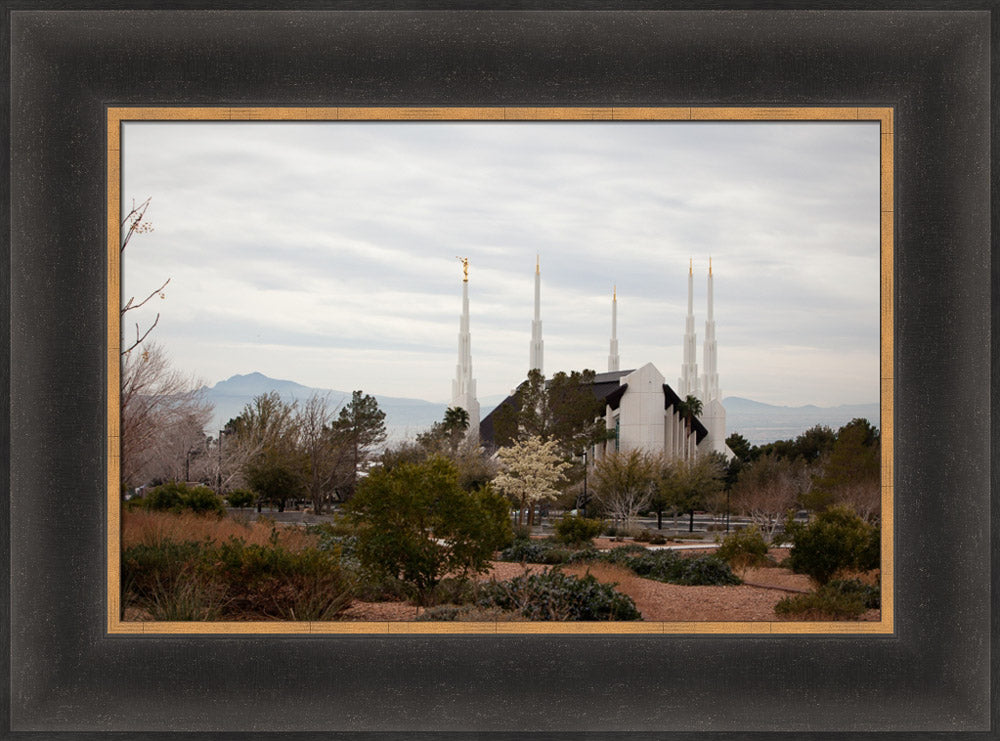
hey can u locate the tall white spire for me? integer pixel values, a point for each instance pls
(537, 346)
(713, 414)
(613, 360)
(710, 377)
(463, 388)
(687, 384)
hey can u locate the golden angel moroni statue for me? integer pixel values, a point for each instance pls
(465, 267)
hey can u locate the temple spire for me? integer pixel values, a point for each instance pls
(537, 346)
(613, 359)
(687, 384)
(713, 414)
(463, 388)
(710, 379)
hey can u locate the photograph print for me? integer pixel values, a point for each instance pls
(510, 376)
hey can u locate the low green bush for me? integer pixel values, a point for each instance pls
(667, 566)
(744, 548)
(179, 497)
(577, 531)
(240, 498)
(870, 594)
(553, 595)
(835, 540)
(842, 600)
(537, 551)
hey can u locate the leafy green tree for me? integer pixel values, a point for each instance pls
(276, 475)
(689, 408)
(563, 408)
(814, 443)
(446, 436)
(851, 475)
(263, 442)
(689, 485)
(360, 428)
(456, 421)
(415, 523)
(811, 446)
(530, 470)
(739, 445)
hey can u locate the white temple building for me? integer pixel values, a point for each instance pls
(641, 411)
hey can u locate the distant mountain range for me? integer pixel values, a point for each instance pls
(757, 422)
(404, 417)
(763, 423)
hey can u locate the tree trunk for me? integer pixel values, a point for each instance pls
(659, 519)
(691, 521)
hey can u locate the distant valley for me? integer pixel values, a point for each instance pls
(758, 422)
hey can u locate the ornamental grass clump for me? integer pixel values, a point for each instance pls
(220, 570)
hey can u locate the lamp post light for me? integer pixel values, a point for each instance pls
(727, 510)
(218, 484)
(581, 503)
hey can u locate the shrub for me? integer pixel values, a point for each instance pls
(415, 523)
(177, 497)
(521, 532)
(536, 551)
(667, 566)
(205, 581)
(240, 498)
(577, 531)
(836, 600)
(834, 540)
(279, 583)
(743, 548)
(870, 594)
(202, 501)
(468, 613)
(552, 595)
(340, 536)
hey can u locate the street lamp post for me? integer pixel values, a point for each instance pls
(581, 502)
(218, 484)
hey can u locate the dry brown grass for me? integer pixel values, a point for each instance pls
(151, 528)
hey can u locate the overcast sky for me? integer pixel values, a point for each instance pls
(324, 253)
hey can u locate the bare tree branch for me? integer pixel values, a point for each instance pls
(130, 304)
(139, 339)
(134, 220)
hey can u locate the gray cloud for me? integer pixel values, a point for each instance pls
(337, 241)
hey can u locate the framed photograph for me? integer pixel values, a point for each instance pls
(372, 275)
(84, 81)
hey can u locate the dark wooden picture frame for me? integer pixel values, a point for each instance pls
(932, 676)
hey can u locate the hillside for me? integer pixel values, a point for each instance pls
(758, 422)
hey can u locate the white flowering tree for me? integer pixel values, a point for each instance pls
(531, 468)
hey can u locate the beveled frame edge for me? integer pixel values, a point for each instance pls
(117, 115)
